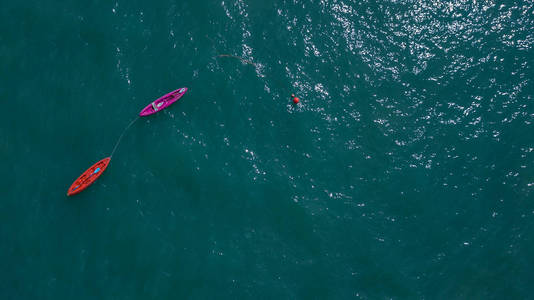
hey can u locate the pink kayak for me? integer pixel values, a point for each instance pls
(162, 102)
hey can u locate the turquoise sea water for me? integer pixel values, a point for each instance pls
(406, 172)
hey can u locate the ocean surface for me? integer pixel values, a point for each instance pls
(405, 172)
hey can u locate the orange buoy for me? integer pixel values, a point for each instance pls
(295, 99)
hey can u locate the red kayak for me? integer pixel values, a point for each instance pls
(162, 102)
(88, 177)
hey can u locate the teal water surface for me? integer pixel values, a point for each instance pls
(406, 171)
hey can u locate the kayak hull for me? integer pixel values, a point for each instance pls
(88, 177)
(163, 102)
